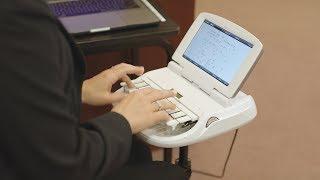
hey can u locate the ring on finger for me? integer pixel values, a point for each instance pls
(160, 106)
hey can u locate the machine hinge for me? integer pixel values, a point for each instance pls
(203, 90)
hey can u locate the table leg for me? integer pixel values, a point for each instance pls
(167, 155)
(134, 56)
(167, 46)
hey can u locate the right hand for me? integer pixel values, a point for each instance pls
(141, 109)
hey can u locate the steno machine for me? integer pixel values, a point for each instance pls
(207, 71)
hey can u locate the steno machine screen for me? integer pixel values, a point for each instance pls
(218, 52)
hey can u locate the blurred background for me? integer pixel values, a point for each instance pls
(283, 141)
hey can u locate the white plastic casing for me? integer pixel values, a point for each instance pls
(237, 114)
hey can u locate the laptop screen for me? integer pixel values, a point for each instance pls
(218, 52)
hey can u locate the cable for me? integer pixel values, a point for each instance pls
(225, 163)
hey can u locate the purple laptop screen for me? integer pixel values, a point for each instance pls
(81, 7)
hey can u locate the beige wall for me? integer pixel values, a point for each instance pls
(284, 140)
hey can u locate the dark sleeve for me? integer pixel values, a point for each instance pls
(40, 135)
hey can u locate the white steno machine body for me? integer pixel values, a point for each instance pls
(217, 113)
(219, 108)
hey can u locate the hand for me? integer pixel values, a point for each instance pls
(142, 110)
(97, 90)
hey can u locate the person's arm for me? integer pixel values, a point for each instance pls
(39, 134)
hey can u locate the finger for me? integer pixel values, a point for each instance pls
(161, 116)
(160, 94)
(119, 65)
(117, 73)
(145, 91)
(163, 105)
(125, 69)
(128, 81)
(117, 96)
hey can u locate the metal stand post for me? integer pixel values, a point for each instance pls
(167, 155)
(184, 160)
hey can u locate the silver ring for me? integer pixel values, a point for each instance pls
(159, 106)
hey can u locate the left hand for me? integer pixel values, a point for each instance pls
(97, 90)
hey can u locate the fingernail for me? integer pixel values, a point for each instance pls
(174, 91)
(142, 69)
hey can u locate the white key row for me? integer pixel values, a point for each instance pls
(184, 109)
